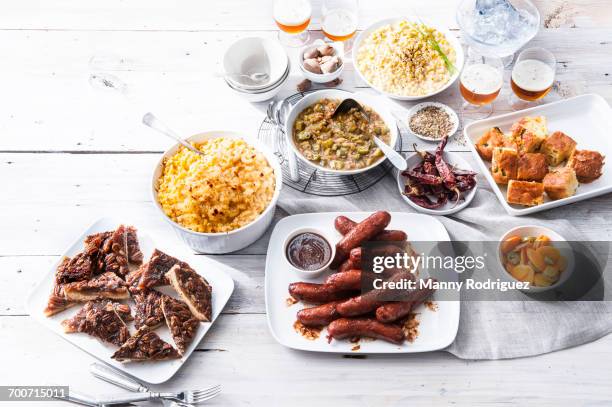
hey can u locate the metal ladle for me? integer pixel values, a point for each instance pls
(396, 159)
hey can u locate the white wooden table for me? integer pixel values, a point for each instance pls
(70, 153)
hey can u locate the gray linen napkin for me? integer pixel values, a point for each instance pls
(490, 330)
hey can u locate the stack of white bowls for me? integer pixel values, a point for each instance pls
(249, 56)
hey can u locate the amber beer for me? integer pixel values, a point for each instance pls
(480, 84)
(339, 24)
(293, 29)
(292, 16)
(531, 79)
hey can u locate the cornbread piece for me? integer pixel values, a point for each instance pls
(193, 289)
(106, 285)
(587, 164)
(561, 183)
(529, 133)
(103, 319)
(147, 310)
(558, 147)
(494, 137)
(532, 167)
(57, 301)
(181, 322)
(504, 165)
(145, 345)
(154, 273)
(78, 268)
(528, 193)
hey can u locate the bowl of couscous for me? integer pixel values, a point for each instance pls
(407, 59)
(220, 202)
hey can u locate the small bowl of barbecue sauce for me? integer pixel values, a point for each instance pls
(309, 251)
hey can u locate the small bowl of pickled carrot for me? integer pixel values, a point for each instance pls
(537, 255)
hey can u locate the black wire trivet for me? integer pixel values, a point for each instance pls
(316, 182)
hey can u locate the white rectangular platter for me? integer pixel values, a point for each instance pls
(150, 372)
(437, 329)
(586, 118)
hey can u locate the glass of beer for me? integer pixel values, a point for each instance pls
(480, 83)
(532, 77)
(339, 20)
(293, 18)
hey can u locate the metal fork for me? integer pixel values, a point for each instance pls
(187, 396)
(113, 376)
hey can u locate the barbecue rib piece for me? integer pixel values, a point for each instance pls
(148, 310)
(193, 289)
(103, 319)
(106, 285)
(145, 345)
(154, 272)
(181, 322)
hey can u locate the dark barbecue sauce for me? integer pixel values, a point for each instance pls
(308, 251)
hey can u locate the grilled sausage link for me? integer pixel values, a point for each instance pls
(369, 327)
(362, 232)
(344, 225)
(355, 255)
(320, 315)
(393, 311)
(348, 265)
(346, 280)
(317, 293)
(369, 301)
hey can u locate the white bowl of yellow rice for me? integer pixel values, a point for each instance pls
(221, 202)
(395, 57)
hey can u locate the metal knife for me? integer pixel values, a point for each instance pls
(113, 376)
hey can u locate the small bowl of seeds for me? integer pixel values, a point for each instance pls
(432, 121)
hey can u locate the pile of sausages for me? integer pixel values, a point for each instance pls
(339, 304)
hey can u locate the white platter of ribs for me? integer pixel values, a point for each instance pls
(332, 312)
(113, 302)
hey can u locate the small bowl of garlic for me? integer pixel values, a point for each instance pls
(321, 61)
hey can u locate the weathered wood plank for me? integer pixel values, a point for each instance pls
(253, 369)
(228, 15)
(174, 75)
